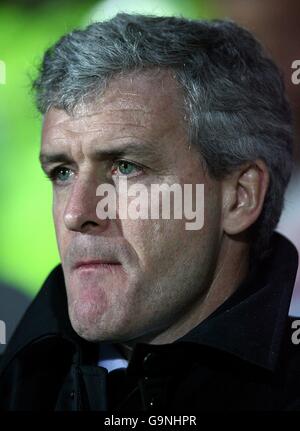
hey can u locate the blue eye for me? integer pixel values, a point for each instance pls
(123, 167)
(63, 174)
(60, 174)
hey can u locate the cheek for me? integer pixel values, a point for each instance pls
(58, 219)
(162, 245)
(156, 242)
(56, 211)
(140, 234)
(212, 213)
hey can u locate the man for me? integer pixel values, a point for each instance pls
(144, 313)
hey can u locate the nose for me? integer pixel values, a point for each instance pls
(80, 212)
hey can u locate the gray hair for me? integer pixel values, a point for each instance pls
(233, 94)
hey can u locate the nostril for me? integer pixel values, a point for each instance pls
(88, 225)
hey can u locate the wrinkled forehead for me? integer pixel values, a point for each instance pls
(147, 102)
(138, 115)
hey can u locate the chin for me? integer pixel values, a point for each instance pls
(88, 322)
(84, 318)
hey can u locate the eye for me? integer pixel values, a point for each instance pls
(126, 168)
(60, 174)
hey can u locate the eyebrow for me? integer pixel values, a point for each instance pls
(50, 158)
(146, 151)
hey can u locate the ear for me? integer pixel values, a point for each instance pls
(243, 194)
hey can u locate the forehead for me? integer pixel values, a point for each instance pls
(147, 104)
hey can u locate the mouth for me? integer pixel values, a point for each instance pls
(97, 265)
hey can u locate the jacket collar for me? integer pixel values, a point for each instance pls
(249, 325)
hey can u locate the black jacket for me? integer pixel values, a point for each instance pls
(240, 358)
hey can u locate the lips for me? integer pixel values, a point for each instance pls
(96, 264)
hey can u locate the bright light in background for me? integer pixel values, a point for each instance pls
(2, 73)
(189, 8)
(28, 248)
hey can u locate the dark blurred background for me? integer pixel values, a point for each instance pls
(27, 28)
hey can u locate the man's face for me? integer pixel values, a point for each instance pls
(157, 271)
